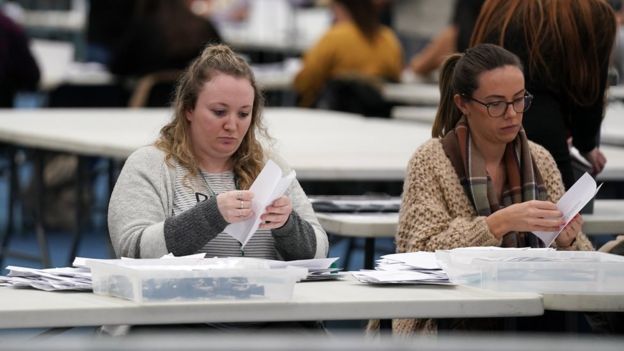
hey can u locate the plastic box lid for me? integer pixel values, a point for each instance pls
(534, 270)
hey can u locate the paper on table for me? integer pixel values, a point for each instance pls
(313, 263)
(268, 186)
(402, 277)
(571, 203)
(420, 259)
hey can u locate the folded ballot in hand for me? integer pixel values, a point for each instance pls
(268, 186)
(571, 203)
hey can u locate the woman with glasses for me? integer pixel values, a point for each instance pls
(479, 181)
(565, 46)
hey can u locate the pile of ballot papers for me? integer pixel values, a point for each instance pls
(50, 279)
(318, 268)
(405, 268)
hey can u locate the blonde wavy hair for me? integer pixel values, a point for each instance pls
(174, 139)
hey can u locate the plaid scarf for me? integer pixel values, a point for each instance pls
(523, 181)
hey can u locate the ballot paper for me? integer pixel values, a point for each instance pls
(268, 186)
(50, 279)
(413, 260)
(402, 277)
(310, 264)
(405, 268)
(318, 268)
(571, 203)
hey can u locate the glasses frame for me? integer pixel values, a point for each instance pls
(528, 98)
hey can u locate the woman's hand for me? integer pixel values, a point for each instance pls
(276, 213)
(568, 235)
(235, 206)
(529, 216)
(597, 160)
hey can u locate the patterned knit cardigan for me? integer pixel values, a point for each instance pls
(437, 214)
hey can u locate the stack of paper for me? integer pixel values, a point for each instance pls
(50, 279)
(318, 268)
(407, 268)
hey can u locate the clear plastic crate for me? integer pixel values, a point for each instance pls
(157, 280)
(535, 270)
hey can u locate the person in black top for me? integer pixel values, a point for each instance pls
(454, 38)
(18, 68)
(164, 35)
(565, 47)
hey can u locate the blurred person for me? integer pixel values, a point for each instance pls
(453, 38)
(107, 21)
(178, 195)
(18, 68)
(222, 10)
(566, 47)
(163, 35)
(357, 48)
(479, 181)
(617, 58)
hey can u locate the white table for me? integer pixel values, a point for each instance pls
(57, 65)
(334, 300)
(612, 130)
(277, 26)
(422, 114)
(320, 145)
(584, 302)
(368, 226)
(412, 93)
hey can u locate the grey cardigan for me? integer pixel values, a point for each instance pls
(142, 202)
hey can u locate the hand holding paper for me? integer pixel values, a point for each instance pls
(571, 203)
(276, 213)
(268, 186)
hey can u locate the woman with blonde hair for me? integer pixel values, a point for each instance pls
(565, 46)
(179, 194)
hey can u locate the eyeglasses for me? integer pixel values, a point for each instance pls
(498, 108)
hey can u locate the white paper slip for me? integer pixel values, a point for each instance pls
(571, 203)
(402, 277)
(268, 186)
(417, 260)
(313, 263)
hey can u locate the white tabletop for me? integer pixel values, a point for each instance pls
(277, 26)
(318, 144)
(422, 114)
(334, 300)
(584, 302)
(612, 130)
(57, 65)
(412, 93)
(321, 145)
(607, 218)
(360, 225)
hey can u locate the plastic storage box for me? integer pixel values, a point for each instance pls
(535, 270)
(156, 280)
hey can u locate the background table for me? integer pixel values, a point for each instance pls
(318, 144)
